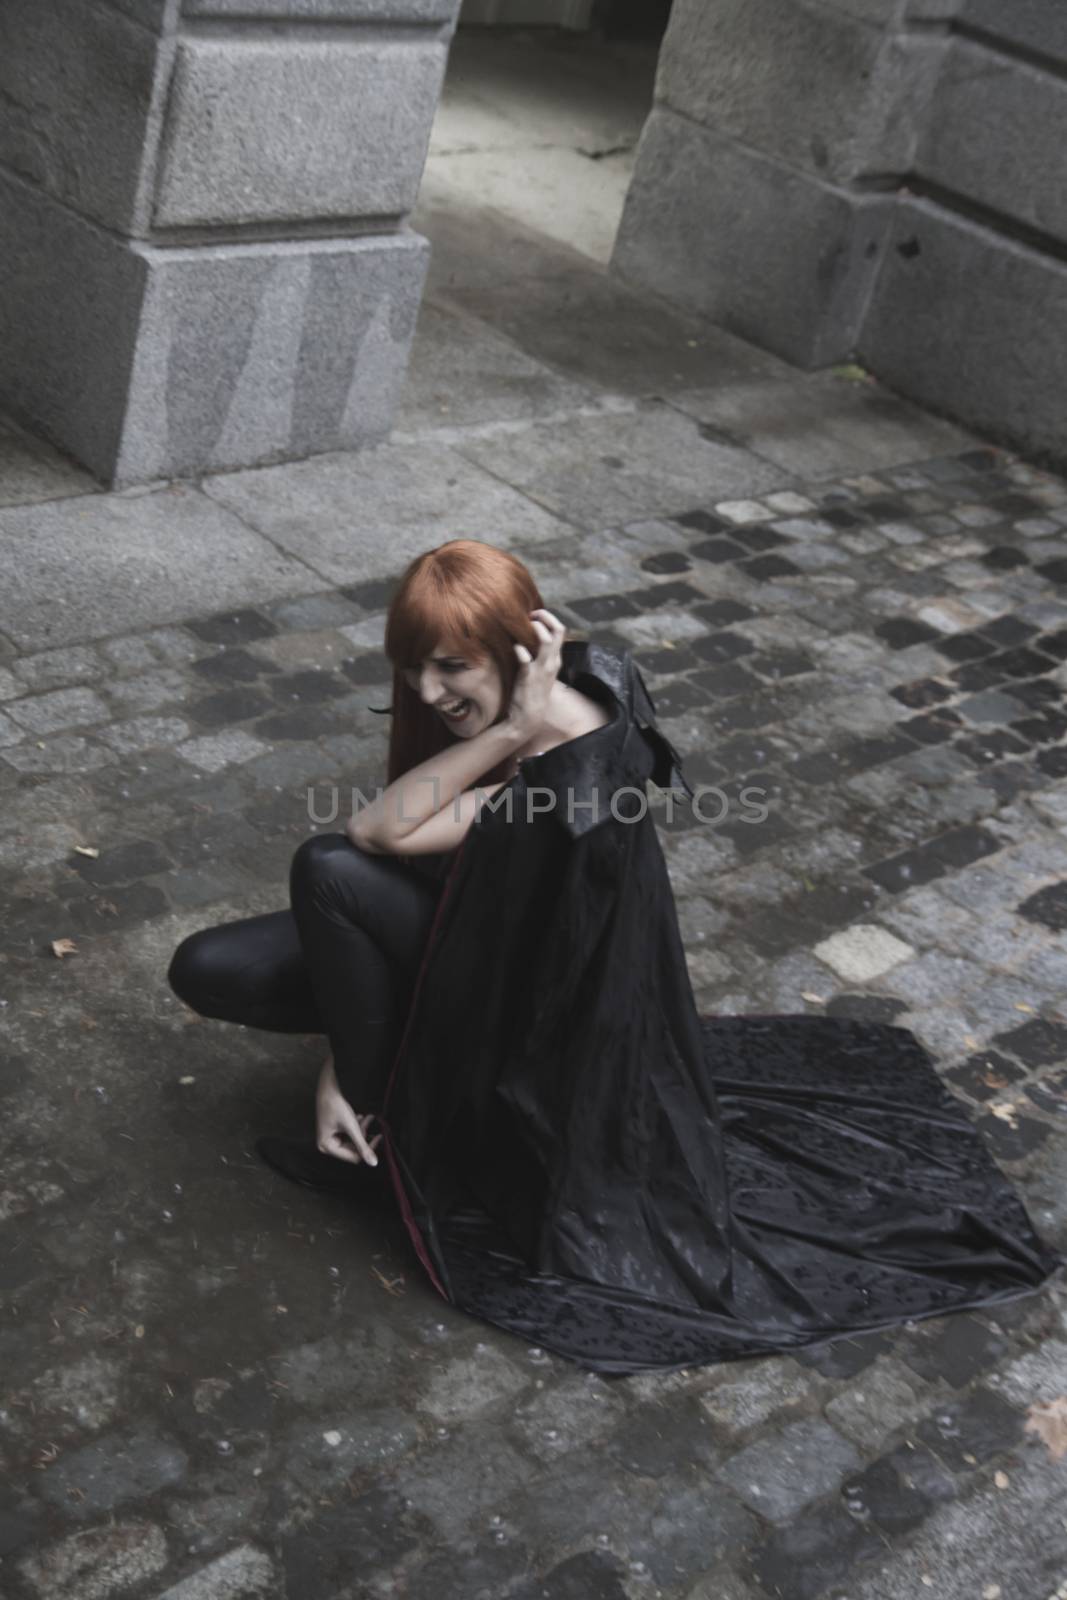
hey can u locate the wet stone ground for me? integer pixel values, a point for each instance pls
(216, 1385)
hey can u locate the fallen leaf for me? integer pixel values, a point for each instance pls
(1021, 1005)
(64, 947)
(1001, 1480)
(992, 1591)
(1006, 1112)
(138, 1332)
(970, 1041)
(1048, 1420)
(187, 1079)
(813, 999)
(89, 850)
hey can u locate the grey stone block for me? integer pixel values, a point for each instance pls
(326, 10)
(306, 345)
(239, 1574)
(145, 733)
(297, 127)
(780, 1475)
(469, 1384)
(995, 134)
(973, 325)
(810, 85)
(322, 1452)
(96, 1562)
(62, 708)
(148, 363)
(704, 225)
(214, 751)
(119, 1467)
(70, 302)
(65, 753)
(77, 84)
(1040, 25)
(58, 668)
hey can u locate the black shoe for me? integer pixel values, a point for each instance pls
(302, 1163)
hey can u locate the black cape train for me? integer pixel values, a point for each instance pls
(583, 1159)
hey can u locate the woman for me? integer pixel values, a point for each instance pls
(494, 953)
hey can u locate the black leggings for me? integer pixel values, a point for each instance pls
(343, 961)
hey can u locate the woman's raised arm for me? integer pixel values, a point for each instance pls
(442, 832)
(428, 791)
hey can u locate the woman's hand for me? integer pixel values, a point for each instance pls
(339, 1131)
(537, 674)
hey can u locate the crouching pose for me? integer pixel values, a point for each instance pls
(516, 1061)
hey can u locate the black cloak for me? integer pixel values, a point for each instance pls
(583, 1159)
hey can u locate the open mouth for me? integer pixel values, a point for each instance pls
(455, 712)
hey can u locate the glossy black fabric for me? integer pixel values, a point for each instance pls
(582, 1159)
(342, 961)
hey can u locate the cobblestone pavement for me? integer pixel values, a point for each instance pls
(216, 1385)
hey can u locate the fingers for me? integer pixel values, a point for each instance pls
(359, 1139)
(347, 1140)
(335, 1146)
(549, 629)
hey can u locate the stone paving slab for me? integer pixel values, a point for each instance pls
(215, 1384)
(354, 518)
(31, 470)
(821, 425)
(74, 565)
(577, 321)
(484, 378)
(594, 471)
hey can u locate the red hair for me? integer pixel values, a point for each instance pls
(465, 593)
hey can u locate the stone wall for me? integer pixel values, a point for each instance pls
(204, 260)
(970, 314)
(881, 178)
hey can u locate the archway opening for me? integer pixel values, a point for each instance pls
(541, 112)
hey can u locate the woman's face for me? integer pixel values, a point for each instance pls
(466, 694)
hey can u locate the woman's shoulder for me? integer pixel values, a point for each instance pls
(594, 713)
(589, 715)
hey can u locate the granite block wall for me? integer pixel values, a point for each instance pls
(870, 179)
(205, 260)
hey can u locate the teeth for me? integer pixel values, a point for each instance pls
(453, 710)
